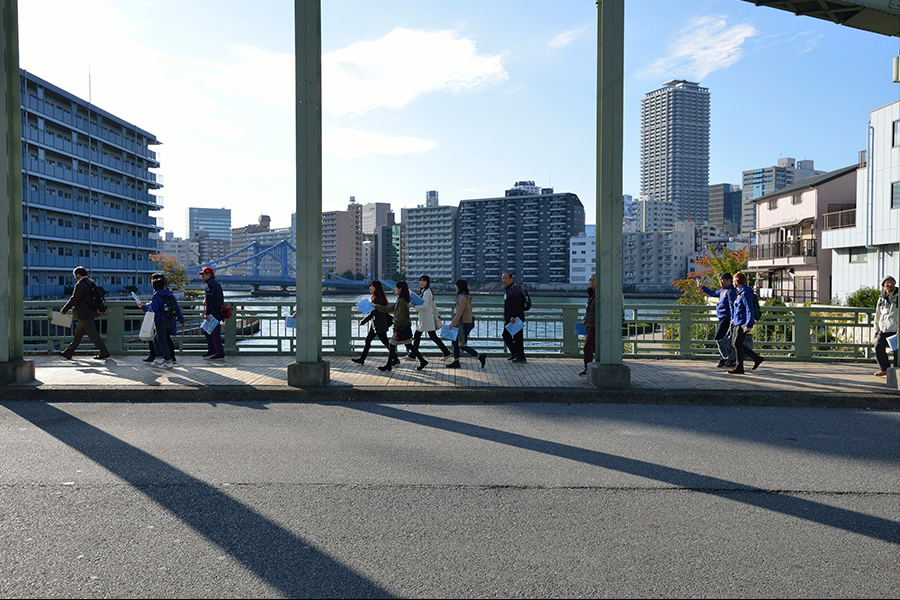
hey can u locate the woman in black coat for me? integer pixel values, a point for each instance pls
(379, 322)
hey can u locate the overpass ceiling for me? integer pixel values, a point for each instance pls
(877, 16)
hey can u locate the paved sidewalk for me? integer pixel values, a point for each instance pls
(245, 377)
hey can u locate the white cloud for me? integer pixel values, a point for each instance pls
(566, 37)
(394, 70)
(354, 143)
(707, 44)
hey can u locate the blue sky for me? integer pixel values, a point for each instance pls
(462, 97)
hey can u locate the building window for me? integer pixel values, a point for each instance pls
(858, 255)
(896, 133)
(773, 204)
(795, 199)
(895, 195)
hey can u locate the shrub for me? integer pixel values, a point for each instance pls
(864, 297)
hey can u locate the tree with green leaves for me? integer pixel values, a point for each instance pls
(176, 275)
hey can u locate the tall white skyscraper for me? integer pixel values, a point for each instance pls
(675, 148)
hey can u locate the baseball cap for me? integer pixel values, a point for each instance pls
(206, 270)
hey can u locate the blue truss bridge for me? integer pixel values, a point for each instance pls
(257, 265)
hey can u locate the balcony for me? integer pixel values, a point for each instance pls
(840, 220)
(795, 248)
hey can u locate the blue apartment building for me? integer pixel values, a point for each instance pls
(86, 193)
(526, 232)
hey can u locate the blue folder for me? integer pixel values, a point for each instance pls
(290, 323)
(580, 329)
(365, 306)
(514, 328)
(208, 326)
(448, 333)
(416, 299)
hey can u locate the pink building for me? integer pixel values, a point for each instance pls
(787, 255)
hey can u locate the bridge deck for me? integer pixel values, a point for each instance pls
(548, 379)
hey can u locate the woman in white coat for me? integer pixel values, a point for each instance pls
(429, 321)
(886, 324)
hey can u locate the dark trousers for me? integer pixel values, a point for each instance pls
(723, 340)
(467, 349)
(162, 341)
(82, 328)
(434, 338)
(371, 336)
(214, 341)
(881, 350)
(738, 338)
(411, 348)
(589, 343)
(169, 342)
(515, 343)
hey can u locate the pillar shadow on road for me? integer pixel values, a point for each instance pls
(776, 501)
(286, 562)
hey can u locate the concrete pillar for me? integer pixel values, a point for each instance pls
(13, 367)
(309, 368)
(607, 370)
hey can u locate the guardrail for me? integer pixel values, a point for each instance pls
(815, 333)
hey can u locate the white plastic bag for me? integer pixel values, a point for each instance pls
(148, 327)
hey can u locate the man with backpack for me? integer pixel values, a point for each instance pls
(743, 318)
(173, 312)
(513, 311)
(86, 303)
(214, 300)
(165, 309)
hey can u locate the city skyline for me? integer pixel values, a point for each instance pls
(464, 99)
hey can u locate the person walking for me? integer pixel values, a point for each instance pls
(726, 294)
(402, 328)
(213, 301)
(169, 342)
(742, 324)
(429, 320)
(590, 324)
(165, 311)
(379, 322)
(82, 312)
(887, 322)
(462, 318)
(513, 309)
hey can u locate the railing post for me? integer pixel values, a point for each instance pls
(343, 338)
(569, 339)
(802, 333)
(115, 328)
(684, 332)
(229, 332)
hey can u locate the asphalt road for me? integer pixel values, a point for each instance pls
(360, 499)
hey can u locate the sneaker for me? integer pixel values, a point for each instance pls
(447, 357)
(511, 357)
(722, 363)
(214, 357)
(410, 358)
(729, 365)
(158, 363)
(165, 365)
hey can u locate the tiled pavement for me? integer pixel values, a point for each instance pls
(249, 377)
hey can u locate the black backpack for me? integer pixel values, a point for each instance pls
(170, 307)
(96, 298)
(526, 304)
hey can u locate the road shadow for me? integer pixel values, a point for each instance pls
(784, 503)
(283, 560)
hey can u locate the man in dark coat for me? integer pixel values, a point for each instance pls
(513, 310)
(214, 300)
(84, 315)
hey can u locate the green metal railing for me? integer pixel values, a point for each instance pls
(819, 333)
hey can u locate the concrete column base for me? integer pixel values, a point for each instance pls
(893, 378)
(609, 377)
(309, 374)
(16, 371)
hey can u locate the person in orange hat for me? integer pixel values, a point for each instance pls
(214, 299)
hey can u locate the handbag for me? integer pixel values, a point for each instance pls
(148, 327)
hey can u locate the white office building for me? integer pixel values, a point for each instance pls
(431, 241)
